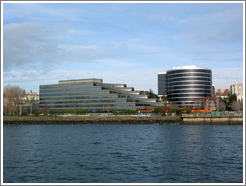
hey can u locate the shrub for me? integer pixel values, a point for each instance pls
(81, 111)
(186, 110)
(66, 112)
(37, 112)
(123, 112)
(160, 110)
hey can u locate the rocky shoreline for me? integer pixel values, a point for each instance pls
(15, 120)
(93, 120)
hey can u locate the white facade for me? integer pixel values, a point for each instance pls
(238, 90)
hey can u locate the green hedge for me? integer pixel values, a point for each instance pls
(80, 111)
(124, 112)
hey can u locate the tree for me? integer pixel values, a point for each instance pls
(160, 110)
(221, 106)
(152, 94)
(235, 105)
(108, 108)
(12, 99)
(228, 101)
(81, 111)
(46, 110)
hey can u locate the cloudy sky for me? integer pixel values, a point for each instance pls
(120, 42)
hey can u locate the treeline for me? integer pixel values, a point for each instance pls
(12, 99)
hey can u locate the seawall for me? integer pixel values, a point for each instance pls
(93, 120)
(125, 120)
(212, 120)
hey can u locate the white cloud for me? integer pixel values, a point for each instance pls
(27, 43)
(30, 44)
(221, 26)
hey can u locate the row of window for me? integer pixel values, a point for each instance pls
(70, 89)
(78, 97)
(64, 86)
(187, 95)
(98, 110)
(187, 75)
(139, 102)
(188, 91)
(88, 106)
(190, 78)
(133, 97)
(188, 70)
(84, 101)
(189, 87)
(74, 93)
(189, 83)
(185, 99)
(119, 89)
(183, 102)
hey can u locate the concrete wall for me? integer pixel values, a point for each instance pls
(213, 121)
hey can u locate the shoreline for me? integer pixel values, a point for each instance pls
(16, 120)
(93, 120)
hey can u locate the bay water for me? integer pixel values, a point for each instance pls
(122, 153)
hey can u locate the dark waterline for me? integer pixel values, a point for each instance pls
(122, 153)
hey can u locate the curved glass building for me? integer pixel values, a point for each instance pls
(187, 84)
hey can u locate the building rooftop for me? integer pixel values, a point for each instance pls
(186, 67)
(80, 81)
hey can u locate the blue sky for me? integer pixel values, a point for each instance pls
(120, 42)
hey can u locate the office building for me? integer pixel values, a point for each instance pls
(94, 96)
(222, 93)
(186, 85)
(238, 90)
(162, 84)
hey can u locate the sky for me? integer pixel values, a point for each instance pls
(126, 43)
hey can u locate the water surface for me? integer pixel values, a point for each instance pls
(122, 153)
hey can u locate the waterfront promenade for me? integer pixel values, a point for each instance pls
(125, 119)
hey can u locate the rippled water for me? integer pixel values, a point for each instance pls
(122, 153)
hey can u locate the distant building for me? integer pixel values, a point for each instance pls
(238, 90)
(162, 84)
(30, 103)
(222, 93)
(186, 85)
(30, 96)
(94, 96)
(213, 89)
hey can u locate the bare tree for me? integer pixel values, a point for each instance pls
(45, 110)
(221, 106)
(198, 103)
(12, 99)
(108, 108)
(235, 105)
